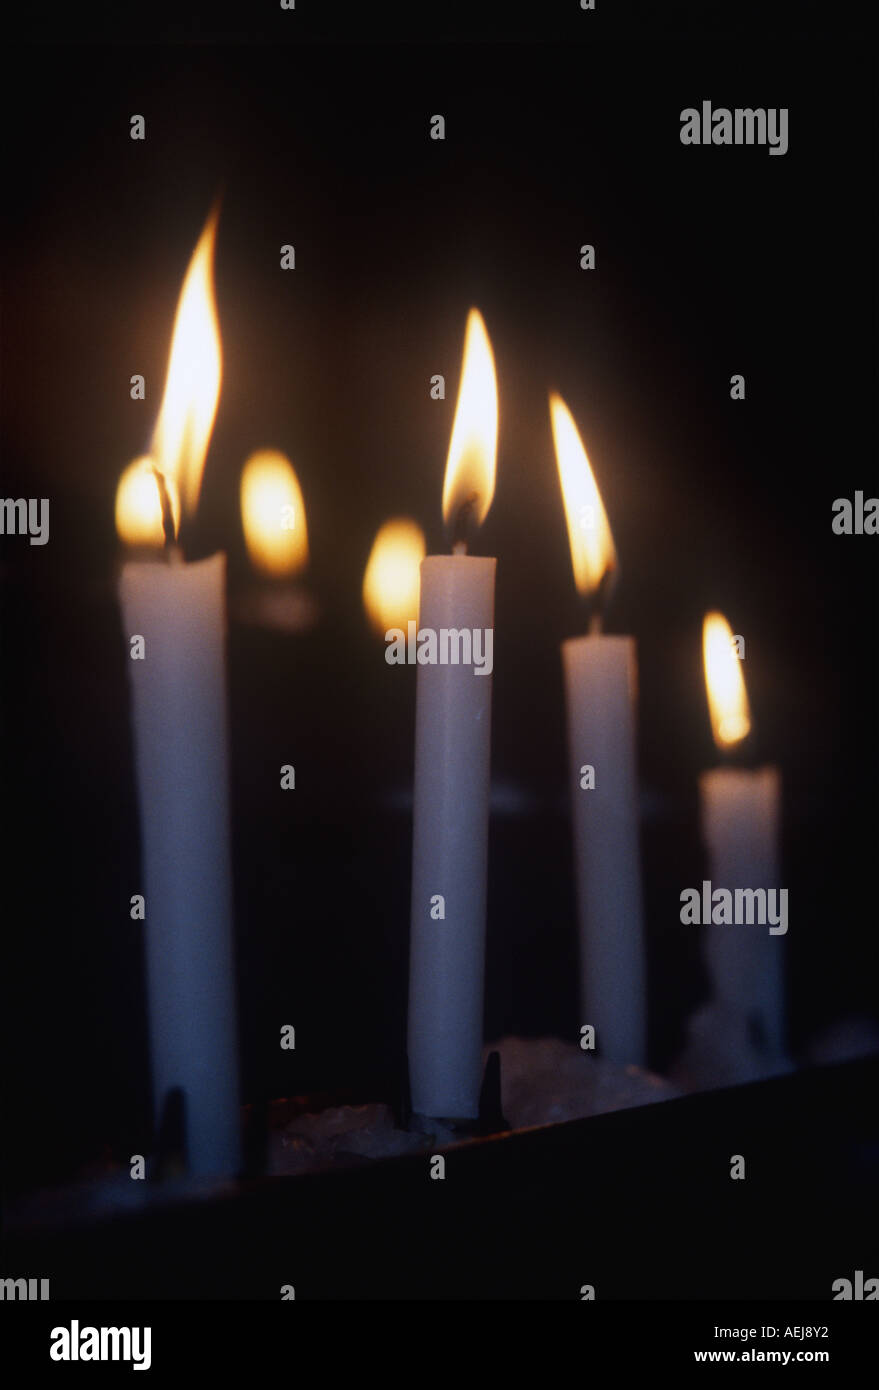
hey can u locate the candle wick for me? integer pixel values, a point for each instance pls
(464, 524)
(600, 601)
(739, 754)
(167, 513)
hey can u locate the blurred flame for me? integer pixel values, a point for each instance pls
(727, 697)
(593, 553)
(273, 514)
(392, 580)
(470, 469)
(192, 386)
(139, 507)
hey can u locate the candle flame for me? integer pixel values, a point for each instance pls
(273, 514)
(139, 506)
(471, 465)
(192, 387)
(727, 696)
(392, 579)
(593, 553)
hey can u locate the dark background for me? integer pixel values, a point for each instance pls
(710, 262)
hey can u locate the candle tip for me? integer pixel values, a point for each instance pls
(464, 524)
(599, 601)
(167, 514)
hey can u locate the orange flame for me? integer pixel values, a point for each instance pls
(273, 514)
(727, 696)
(392, 579)
(472, 460)
(192, 387)
(593, 553)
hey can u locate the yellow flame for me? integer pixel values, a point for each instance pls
(727, 696)
(593, 553)
(192, 387)
(273, 514)
(392, 579)
(471, 465)
(139, 507)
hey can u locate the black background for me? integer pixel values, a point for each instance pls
(710, 261)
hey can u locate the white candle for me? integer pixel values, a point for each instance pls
(452, 748)
(739, 812)
(601, 693)
(174, 617)
(600, 688)
(739, 817)
(180, 742)
(450, 847)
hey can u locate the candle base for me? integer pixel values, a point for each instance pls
(170, 1158)
(450, 1128)
(415, 1245)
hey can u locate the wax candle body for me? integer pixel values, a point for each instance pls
(450, 847)
(739, 811)
(601, 694)
(180, 743)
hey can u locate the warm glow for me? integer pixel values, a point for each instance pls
(273, 514)
(592, 549)
(470, 470)
(192, 386)
(391, 583)
(727, 697)
(139, 507)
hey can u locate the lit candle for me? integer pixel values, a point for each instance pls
(454, 652)
(739, 812)
(601, 691)
(174, 619)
